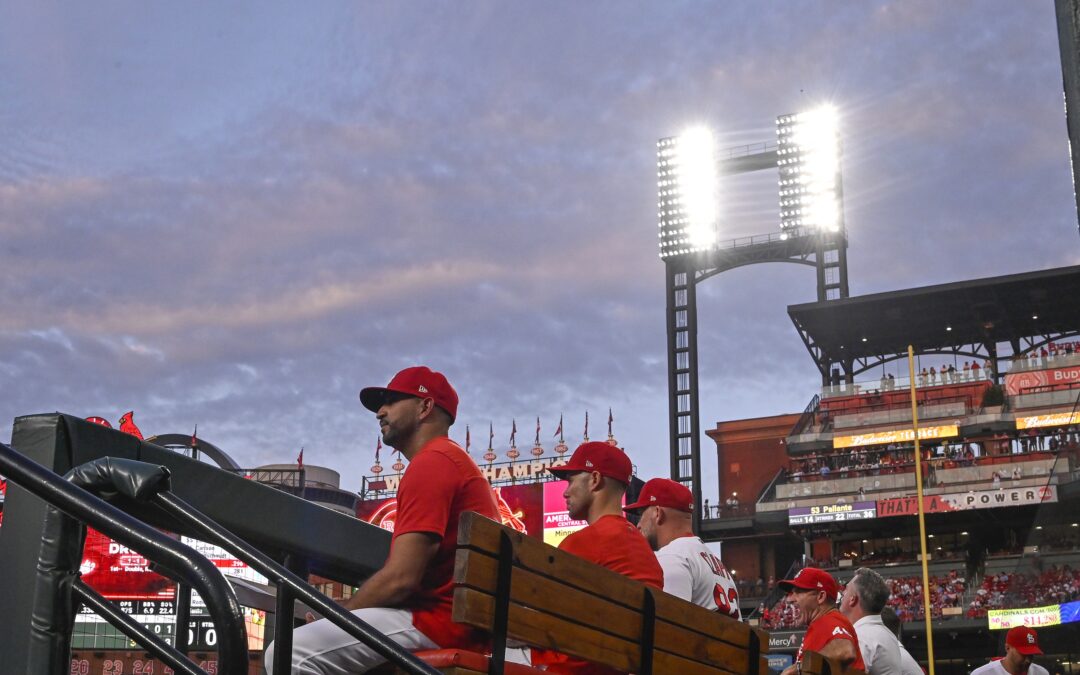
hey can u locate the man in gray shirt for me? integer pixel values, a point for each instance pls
(863, 599)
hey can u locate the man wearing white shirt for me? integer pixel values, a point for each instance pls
(908, 664)
(1021, 643)
(691, 571)
(863, 599)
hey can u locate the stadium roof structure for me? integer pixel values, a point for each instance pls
(964, 318)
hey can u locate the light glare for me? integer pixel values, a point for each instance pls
(697, 185)
(687, 186)
(808, 151)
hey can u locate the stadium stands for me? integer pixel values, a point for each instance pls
(1025, 589)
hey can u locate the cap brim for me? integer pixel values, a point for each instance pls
(1029, 650)
(635, 506)
(563, 469)
(787, 585)
(372, 398)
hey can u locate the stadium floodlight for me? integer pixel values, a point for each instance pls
(687, 185)
(808, 157)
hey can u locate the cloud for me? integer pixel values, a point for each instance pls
(238, 217)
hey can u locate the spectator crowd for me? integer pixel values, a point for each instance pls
(1025, 589)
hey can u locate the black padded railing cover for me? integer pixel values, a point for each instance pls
(61, 548)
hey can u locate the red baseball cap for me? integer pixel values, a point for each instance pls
(811, 579)
(664, 492)
(418, 381)
(1023, 640)
(598, 456)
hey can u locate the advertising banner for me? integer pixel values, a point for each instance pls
(833, 513)
(1052, 420)
(1017, 383)
(778, 662)
(518, 471)
(557, 521)
(895, 436)
(1033, 617)
(786, 640)
(962, 501)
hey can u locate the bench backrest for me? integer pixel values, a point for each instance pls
(562, 602)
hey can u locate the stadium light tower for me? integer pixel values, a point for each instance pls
(688, 201)
(690, 171)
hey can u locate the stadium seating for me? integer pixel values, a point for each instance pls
(1025, 589)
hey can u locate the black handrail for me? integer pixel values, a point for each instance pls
(777, 594)
(808, 416)
(212, 532)
(180, 562)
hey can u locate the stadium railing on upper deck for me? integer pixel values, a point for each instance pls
(808, 418)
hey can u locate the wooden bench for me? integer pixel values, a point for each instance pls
(519, 588)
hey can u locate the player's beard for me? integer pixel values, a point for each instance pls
(394, 435)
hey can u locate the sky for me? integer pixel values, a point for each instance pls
(238, 215)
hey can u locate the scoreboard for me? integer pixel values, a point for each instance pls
(159, 617)
(833, 513)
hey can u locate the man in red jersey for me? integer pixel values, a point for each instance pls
(597, 476)
(828, 632)
(410, 598)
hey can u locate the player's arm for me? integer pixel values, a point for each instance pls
(400, 577)
(841, 649)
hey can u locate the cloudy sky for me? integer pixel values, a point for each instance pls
(238, 216)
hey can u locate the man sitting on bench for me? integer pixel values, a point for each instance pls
(598, 475)
(691, 571)
(410, 598)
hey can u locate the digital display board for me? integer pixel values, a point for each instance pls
(833, 513)
(1033, 617)
(895, 436)
(520, 507)
(119, 573)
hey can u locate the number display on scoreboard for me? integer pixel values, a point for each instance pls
(834, 513)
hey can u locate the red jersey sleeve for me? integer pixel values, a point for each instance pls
(426, 495)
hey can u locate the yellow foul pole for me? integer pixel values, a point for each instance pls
(922, 516)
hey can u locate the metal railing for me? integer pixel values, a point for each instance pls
(187, 567)
(290, 588)
(176, 560)
(808, 417)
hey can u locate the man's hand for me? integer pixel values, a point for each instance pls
(791, 670)
(400, 576)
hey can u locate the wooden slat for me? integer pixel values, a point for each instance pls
(474, 608)
(477, 570)
(482, 534)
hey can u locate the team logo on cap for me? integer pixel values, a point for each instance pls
(1031, 638)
